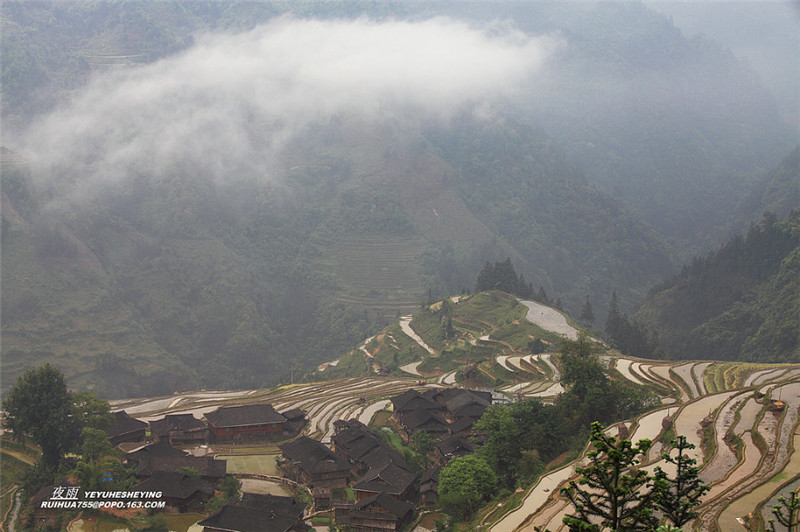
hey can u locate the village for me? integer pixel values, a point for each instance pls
(357, 481)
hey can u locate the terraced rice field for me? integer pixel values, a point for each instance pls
(549, 319)
(376, 272)
(741, 478)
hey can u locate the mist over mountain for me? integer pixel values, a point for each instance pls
(221, 194)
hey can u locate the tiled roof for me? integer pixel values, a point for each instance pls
(275, 503)
(244, 416)
(390, 478)
(125, 424)
(175, 422)
(462, 424)
(398, 509)
(455, 444)
(294, 414)
(244, 519)
(423, 419)
(313, 456)
(149, 463)
(413, 400)
(159, 449)
(175, 485)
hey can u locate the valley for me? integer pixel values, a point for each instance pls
(435, 240)
(742, 417)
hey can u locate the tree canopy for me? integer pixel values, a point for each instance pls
(464, 484)
(40, 407)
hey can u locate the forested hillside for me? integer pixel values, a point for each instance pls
(739, 303)
(185, 207)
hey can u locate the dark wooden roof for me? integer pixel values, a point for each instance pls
(455, 445)
(413, 400)
(273, 503)
(175, 422)
(390, 478)
(159, 449)
(425, 420)
(125, 424)
(245, 519)
(467, 399)
(244, 416)
(313, 456)
(175, 485)
(361, 444)
(295, 414)
(162, 456)
(391, 506)
(462, 424)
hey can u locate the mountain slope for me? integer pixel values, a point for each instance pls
(740, 303)
(230, 263)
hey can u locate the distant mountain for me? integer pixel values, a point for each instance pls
(154, 267)
(778, 192)
(741, 303)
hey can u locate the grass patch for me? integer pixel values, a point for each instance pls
(353, 364)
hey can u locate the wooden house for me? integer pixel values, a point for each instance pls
(126, 429)
(312, 463)
(246, 423)
(181, 492)
(390, 479)
(179, 429)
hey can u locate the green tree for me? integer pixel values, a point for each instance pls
(95, 444)
(424, 443)
(587, 314)
(612, 492)
(464, 484)
(40, 407)
(677, 497)
(93, 411)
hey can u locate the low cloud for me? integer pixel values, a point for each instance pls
(229, 102)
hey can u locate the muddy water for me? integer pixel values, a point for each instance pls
(748, 466)
(552, 390)
(548, 359)
(688, 422)
(650, 424)
(685, 373)
(747, 415)
(502, 360)
(534, 500)
(366, 416)
(549, 319)
(552, 517)
(624, 367)
(663, 372)
(725, 458)
(697, 372)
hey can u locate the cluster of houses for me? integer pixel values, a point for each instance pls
(227, 424)
(185, 481)
(367, 485)
(386, 488)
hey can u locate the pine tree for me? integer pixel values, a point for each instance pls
(587, 314)
(612, 492)
(677, 497)
(614, 319)
(787, 512)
